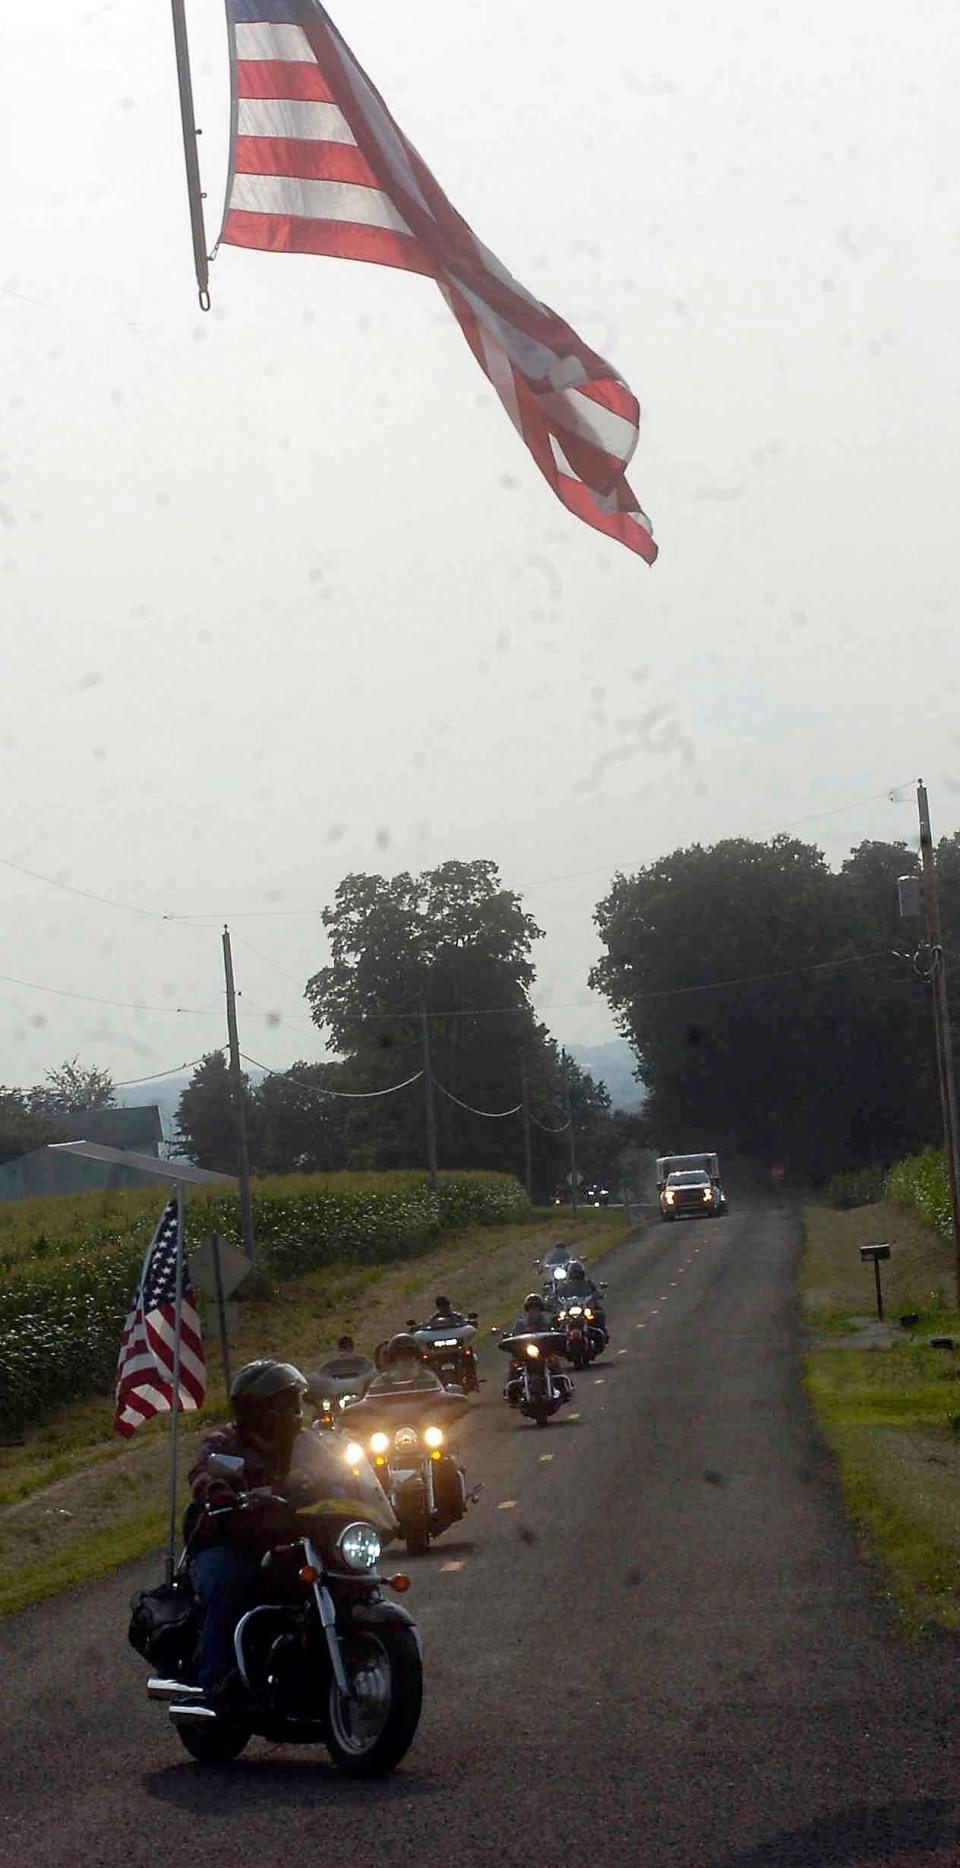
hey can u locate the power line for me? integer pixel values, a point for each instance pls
(126, 1005)
(493, 1115)
(191, 1063)
(315, 1089)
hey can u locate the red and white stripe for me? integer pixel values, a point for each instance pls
(319, 166)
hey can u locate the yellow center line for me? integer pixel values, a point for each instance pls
(545, 1457)
(573, 1417)
(639, 1326)
(445, 1567)
(621, 1352)
(507, 1504)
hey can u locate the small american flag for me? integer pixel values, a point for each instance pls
(147, 1347)
(318, 165)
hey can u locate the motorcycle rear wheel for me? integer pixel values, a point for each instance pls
(370, 1738)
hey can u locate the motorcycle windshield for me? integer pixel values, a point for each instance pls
(419, 1408)
(326, 1491)
(549, 1342)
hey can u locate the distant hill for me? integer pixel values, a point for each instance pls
(614, 1064)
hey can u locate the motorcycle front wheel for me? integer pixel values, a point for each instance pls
(369, 1733)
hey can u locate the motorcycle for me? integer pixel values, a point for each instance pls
(448, 1351)
(422, 1478)
(322, 1657)
(533, 1385)
(331, 1397)
(585, 1337)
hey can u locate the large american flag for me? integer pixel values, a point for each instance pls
(318, 165)
(147, 1347)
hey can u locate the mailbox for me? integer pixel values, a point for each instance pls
(873, 1255)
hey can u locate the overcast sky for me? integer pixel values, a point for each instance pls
(283, 595)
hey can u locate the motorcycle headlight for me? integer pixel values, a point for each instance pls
(359, 1547)
(589, 1316)
(405, 1438)
(326, 1406)
(576, 1310)
(379, 1442)
(533, 1350)
(434, 1436)
(559, 1274)
(354, 1453)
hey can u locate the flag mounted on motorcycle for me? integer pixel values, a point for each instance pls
(152, 1360)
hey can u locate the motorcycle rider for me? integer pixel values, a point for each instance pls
(580, 1289)
(267, 1433)
(345, 1366)
(444, 1316)
(534, 1320)
(403, 1369)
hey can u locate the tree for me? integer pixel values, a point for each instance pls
(71, 1088)
(454, 943)
(816, 1051)
(23, 1128)
(205, 1115)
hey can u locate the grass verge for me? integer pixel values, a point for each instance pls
(888, 1403)
(76, 1501)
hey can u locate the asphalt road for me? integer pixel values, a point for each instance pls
(652, 1644)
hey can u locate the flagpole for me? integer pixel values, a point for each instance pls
(190, 134)
(175, 1396)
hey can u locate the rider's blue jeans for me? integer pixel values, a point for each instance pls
(223, 1581)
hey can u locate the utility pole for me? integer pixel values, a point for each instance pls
(428, 1095)
(941, 1018)
(525, 1118)
(574, 1184)
(236, 1085)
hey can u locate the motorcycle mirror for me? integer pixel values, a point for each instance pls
(411, 1323)
(603, 1284)
(225, 1465)
(473, 1316)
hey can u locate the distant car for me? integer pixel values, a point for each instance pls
(691, 1195)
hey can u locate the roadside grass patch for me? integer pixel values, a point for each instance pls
(890, 1410)
(77, 1501)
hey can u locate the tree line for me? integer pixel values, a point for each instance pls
(453, 947)
(818, 1054)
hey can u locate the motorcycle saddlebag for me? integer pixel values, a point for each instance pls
(164, 1624)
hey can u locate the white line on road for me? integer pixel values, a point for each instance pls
(621, 1352)
(599, 1380)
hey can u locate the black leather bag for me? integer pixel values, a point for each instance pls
(164, 1624)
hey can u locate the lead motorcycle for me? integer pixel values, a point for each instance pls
(322, 1657)
(409, 1452)
(586, 1337)
(534, 1385)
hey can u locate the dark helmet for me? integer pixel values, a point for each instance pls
(345, 1344)
(575, 1269)
(400, 1346)
(534, 1301)
(442, 1305)
(265, 1393)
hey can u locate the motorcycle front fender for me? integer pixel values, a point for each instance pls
(383, 1614)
